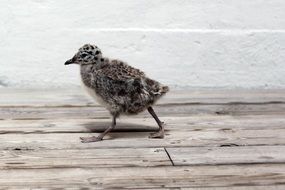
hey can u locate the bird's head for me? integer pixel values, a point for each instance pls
(87, 54)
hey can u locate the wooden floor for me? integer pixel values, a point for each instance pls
(215, 139)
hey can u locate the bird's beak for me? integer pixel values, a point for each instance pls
(68, 62)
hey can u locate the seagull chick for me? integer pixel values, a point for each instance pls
(117, 86)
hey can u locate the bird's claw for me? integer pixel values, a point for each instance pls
(90, 139)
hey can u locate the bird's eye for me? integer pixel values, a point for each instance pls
(83, 55)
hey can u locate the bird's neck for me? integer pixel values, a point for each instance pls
(85, 74)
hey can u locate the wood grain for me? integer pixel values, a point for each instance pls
(133, 124)
(83, 158)
(77, 97)
(24, 113)
(140, 139)
(147, 177)
(227, 155)
(214, 139)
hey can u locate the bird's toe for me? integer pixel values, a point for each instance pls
(90, 139)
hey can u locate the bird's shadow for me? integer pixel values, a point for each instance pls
(98, 127)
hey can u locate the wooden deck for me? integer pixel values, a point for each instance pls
(215, 139)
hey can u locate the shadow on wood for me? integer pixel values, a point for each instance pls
(98, 127)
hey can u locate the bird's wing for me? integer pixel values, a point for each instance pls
(122, 84)
(119, 71)
(116, 79)
(120, 79)
(125, 78)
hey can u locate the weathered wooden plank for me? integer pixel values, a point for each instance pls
(43, 97)
(53, 112)
(133, 124)
(87, 187)
(267, 187)
(226, 155)
(211, 127)
(169, 110)
(27, 158)
(83, 158)
(76, 96)
(147, 177)
(215, 137)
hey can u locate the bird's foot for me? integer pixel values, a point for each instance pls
(158, 135)
(90, 139)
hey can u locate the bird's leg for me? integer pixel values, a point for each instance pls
(100, 137)
(160, 133)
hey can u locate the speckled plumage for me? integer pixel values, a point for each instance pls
(121, 88)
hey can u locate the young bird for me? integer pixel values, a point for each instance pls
(117, 86)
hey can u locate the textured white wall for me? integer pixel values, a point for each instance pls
(183, 43)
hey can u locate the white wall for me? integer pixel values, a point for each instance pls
(183, 43)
